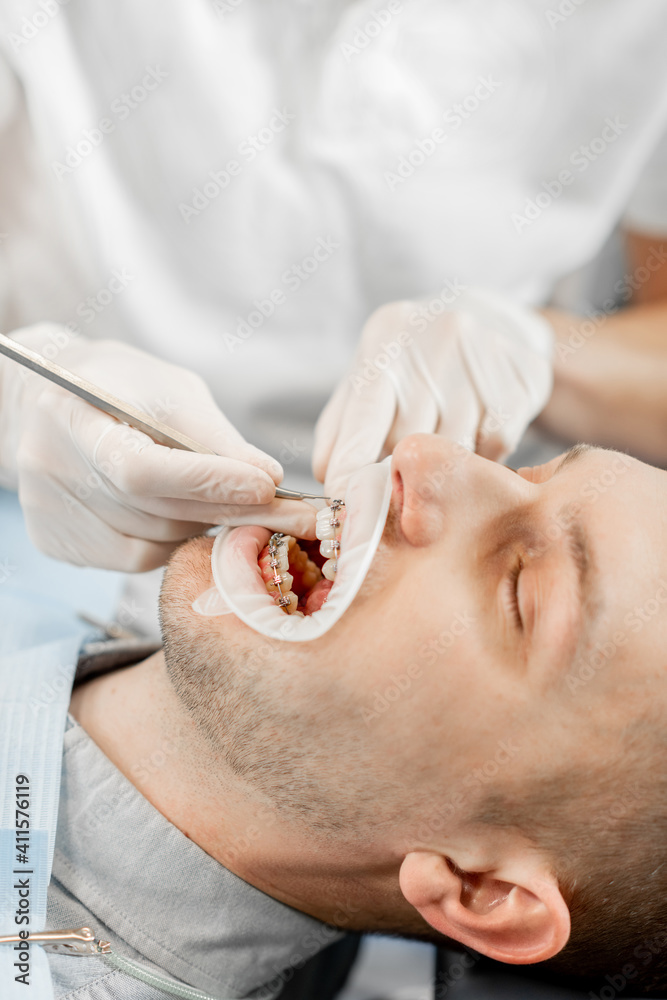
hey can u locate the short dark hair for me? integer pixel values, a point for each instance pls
(605, 827)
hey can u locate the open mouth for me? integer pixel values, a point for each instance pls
(294, 590)
(299, 574)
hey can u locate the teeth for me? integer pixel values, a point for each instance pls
(323, 527)
(290, 608)
(288, 554)
(286, 580)
(299, 557)
(293, 602)
(329, 569)
(282, 553)
(329, 547)
(274, 564)
(280, 558)
(329, 535)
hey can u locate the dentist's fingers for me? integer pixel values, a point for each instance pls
(163, 519)
(70, 537)
(416, 408)
(327, 429)
(96, 492)
(137, 467)
(361, 434)
(207, 425)
(294, 517)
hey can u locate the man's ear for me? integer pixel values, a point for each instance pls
(516, 914)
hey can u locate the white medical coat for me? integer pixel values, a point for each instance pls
(236, 184)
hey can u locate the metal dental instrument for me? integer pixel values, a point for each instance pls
(115, 407)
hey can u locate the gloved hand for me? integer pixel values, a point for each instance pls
(96, 492)
(477, 372)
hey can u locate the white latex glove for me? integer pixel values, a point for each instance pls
(478, 373)
(96, 492)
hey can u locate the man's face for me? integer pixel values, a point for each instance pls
(502, 613)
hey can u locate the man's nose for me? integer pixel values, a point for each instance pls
(444, 486)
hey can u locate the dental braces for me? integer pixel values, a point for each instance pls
(277, 541)
(277, 548)
(334, 522)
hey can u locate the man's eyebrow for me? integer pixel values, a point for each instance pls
(572, 455)
(579, 550)
(578, 546)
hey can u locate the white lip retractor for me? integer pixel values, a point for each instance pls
(239, 587)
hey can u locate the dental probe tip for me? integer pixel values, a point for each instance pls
(284, 494)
